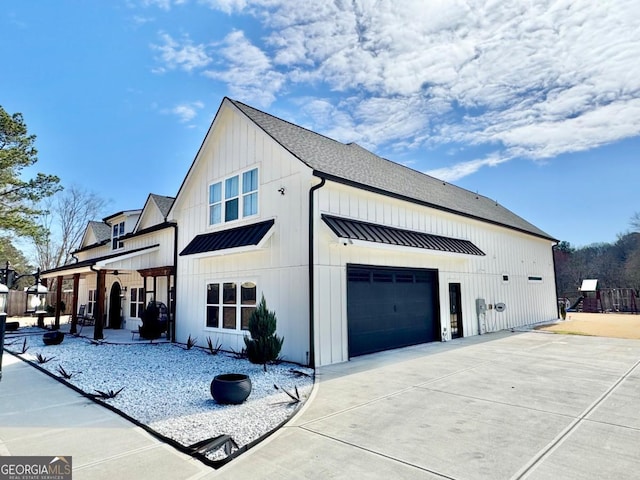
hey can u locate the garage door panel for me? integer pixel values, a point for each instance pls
(389, 308)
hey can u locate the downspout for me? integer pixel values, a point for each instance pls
(555, 280)
(312, 353)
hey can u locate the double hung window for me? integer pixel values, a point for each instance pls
(234, 198)
(136, 307)
(91, 304)
(117, 232)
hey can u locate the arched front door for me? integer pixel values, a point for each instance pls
(115, 306)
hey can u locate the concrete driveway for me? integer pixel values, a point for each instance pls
(500, 406)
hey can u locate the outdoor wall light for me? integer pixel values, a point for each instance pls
(4, 298)
(36, 298)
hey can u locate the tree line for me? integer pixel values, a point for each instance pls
(614, 265)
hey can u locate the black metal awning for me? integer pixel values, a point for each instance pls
(244, 236)
(371, 232)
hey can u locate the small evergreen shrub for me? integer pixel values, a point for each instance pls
(264, 345)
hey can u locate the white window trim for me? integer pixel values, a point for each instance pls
(91, 301)
(238, 305)
(240, 197)
(534, 279)
(140, 303)
(114, 238)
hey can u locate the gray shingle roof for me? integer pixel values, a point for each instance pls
(164, 203)
(101, 230)
(350, 163)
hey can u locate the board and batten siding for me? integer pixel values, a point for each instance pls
(128, 275)
(279, 269)
(508, 252)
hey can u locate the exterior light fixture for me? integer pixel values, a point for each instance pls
(4, 296)
(4, 299)
(36, 297)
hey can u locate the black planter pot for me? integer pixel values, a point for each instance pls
(230, 388)
(53, 338)
(12, 326)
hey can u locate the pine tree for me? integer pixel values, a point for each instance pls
(264, 345)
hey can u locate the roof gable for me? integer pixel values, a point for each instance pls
(96, 233)
(154, 212)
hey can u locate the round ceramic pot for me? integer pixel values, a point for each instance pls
(53, 338)
(230, 388)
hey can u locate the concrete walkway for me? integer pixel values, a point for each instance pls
(500, 406)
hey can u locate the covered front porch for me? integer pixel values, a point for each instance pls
(113, 291)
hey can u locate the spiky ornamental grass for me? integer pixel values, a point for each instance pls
(213, 350)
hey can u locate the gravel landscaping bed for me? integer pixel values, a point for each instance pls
(166, 387)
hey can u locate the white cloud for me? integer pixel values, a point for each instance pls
(457, 171)
(247, 70)
(533, 80)
(162, 4)
(187, 111)
(183, 55)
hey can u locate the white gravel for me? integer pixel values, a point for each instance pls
(167, 387)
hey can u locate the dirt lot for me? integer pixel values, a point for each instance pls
(616, 325)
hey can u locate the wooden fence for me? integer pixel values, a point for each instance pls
(18, 298)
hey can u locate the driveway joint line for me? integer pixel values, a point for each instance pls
(382, 397)
(565, 433)
(373, 452)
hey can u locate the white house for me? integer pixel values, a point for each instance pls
(123, 262)
(353, 252)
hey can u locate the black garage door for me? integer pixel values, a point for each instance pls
(390, 308)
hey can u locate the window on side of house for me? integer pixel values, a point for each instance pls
(230, 305)
(215, 203)
(117, 232)
(250, 193)
(136, 305)
(234, 198)
(535, 279)
(91, 303)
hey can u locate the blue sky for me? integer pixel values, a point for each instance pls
(535, 104)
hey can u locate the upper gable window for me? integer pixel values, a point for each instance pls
(117, 232)
(234, 198)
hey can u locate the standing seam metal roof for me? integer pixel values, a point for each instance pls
(353, 164)
(371, 232)
(231, 238)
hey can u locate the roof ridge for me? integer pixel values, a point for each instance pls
(353, 164)
(240, 105)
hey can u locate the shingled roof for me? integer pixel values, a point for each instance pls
(164, 203)
(352, 164)
(101, 230)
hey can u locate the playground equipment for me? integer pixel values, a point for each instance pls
(604, 300)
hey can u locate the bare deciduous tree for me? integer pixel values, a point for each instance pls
(635, 222)
(64, 221)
